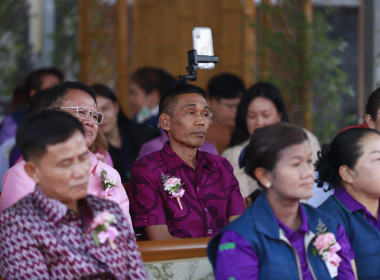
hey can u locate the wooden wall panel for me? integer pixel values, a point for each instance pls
(104, 44)
(162, 35)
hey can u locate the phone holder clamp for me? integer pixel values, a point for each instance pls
(193, 60)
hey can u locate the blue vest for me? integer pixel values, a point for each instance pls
(364, 237)
(277, 257)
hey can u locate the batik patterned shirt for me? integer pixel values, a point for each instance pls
(211, 195)
(41, 238)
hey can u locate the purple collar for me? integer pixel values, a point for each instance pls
(303, 228)
(347, 201)
(175, 161)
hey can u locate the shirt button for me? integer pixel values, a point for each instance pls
(197, 189)
(209, 231)
(206, 209)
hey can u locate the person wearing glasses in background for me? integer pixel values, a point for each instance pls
(59, 231)
(78, 100)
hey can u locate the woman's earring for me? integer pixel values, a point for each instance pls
(268, 185)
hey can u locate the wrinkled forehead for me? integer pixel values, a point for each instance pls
(79, 98)
(186, 100)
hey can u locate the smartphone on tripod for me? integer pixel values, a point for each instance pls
(202, 43)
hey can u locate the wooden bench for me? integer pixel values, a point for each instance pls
(176, 258)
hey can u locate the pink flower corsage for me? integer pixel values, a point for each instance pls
(326, 246)
(102, 229)
(172, 186)
(109, 185)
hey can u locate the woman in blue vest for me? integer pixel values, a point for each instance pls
(278, 237)
(351, 165)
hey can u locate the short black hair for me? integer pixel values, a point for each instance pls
(169, 99)
(34, 79)
(150, 78)
(56, 95)
(267, 143)
(44, 128)
(226, 86)
(345, 149)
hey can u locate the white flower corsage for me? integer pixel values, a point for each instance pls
(172, 186)
(109, 185)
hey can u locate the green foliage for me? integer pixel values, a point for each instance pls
(330, 85)
(13, 45)
(66, 37)
(296, 67)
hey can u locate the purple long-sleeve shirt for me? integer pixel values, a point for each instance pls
(246, 263)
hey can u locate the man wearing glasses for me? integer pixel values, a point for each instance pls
(79, 100)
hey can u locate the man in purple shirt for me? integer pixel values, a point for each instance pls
(202, 194)
(58, 231)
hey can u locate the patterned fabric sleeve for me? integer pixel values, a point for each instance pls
(235, 201)
(20, 258)
(245, 264)
(136, 268)
(146, 203)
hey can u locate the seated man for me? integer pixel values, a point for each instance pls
(58, 231)
(79, 100)
(180, 191)
(225, 91)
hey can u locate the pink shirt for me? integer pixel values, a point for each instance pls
(17, 184)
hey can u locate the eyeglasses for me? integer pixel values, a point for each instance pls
(83, 113)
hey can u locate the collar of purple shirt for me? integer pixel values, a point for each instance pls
(349, 203)
(304, 228)
(169, 155)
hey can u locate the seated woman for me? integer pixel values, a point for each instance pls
(278, 237)
(124, 137)
(59, 231)
(261, 105)
(351, 166)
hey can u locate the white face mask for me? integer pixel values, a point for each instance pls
(143, 114)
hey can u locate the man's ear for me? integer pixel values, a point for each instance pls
(263, 176)
(347, 174)
(164, 121)
(32, 171)
(369, 121)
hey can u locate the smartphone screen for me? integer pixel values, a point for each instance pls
(202, 43)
